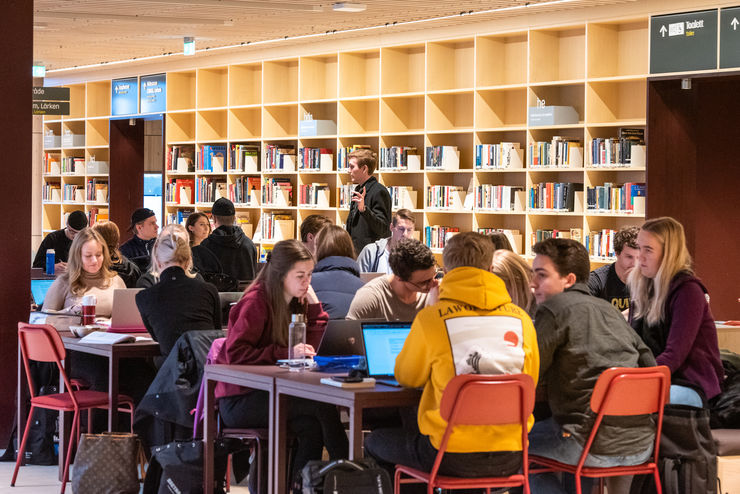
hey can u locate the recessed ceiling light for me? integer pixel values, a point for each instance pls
(348, 7)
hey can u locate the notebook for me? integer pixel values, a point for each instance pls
(125, 317)
(341, 337)
(383, 342)
(39, 289)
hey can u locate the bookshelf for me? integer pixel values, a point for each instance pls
(75, 161)
(458, 96)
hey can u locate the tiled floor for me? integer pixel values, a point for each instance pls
(35, 479)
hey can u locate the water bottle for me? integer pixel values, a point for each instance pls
(296, 336)
(50, 255)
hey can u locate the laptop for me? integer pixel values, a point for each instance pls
(383, 342)
(39, 289)
(341, 337)
(125, 317)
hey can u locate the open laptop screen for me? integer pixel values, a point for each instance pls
(383, 342)
(39, 289)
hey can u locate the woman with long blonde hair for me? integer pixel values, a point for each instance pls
(669, 308)
(516, 274)
(88, 273)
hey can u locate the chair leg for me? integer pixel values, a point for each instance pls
(601, 485)
(72, 439)
(577, 479)
(228, 473)
(397, 482)
(22, 447)
(658, 487)
(258, 458)
(89, 420)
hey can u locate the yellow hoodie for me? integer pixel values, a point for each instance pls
(473, 329)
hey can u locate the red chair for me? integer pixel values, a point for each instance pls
(508, 399)
(621, 391)
(42, 343)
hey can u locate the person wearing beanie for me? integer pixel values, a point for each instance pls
(60, 241)
(139, 247)
(227, 249)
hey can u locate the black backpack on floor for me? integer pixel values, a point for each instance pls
(345, 477)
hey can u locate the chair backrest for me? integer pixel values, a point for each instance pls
(509, 399)
(41, 342)
(631, 391)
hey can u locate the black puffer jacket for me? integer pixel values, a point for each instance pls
(227, 250)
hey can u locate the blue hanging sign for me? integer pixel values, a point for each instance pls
(125, 96)
(153, 93)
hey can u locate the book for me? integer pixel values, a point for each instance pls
(104, 338)
(367, 382)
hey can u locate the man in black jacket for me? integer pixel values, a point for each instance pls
(138, 249)
(60, 241)
(227, 249)
(370, 212)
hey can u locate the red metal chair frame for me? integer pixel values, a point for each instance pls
(42, 343)
(509, 399)
(621, 391)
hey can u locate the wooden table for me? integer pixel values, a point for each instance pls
(259, 377)
(114, 353)
(307, 385)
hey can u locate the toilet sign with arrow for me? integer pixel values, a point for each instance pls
(685, 42)
(729, 38)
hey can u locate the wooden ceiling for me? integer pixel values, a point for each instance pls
(69, 33)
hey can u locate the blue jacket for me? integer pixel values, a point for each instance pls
(335, 280)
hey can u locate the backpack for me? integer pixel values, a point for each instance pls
(725, 407)
(345, 477)
(688, 454)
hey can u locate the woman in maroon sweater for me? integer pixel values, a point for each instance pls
(670, 310)
(258, 334)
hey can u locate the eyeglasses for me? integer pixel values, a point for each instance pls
(424, 285)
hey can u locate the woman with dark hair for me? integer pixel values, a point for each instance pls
(198, 228)
(127, 270)
(258, 334)
(336, 277)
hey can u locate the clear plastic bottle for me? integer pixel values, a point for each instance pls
(296, 336)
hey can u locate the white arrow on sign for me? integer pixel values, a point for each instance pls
(663, 30)
(734, 23)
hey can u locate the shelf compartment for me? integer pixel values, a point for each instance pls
(501, 108)
(449, 111)
(402, 114)
(450, 65)
(181, 90)
(551, 222)
(180, 127)
(97, 132)
(212, 87)
(501, 60)
(244, 123)
(359, 74)
(211, 125)
(76, 102)
(464, 143)
(280, 121)
(560, 95)
(52, 217)
(245, 84)
(557, 54)
(618, 49)
(98, 99)
(280, 81)
(616, 101)
(358, 117)
(318, 77)
(319, 111)
(402, 69)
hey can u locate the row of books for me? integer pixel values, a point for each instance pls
(615, 198)
(180, 159)
(209, 189)
(73, 193)
(51, 192)
(402, 196)
(616, 152)
(277, 191)
(503, 156)
(514, 237)
(211, 158)
(320, 159)
(180, 191)
(542, 234)
(94, 215)
(96, 190)
(600, 243)
(499, 197)
(51, 164)
(446, 197)
(315, 194)
(399, 158)
(345, 195)
(343, 153)
(179, 217)
(276, 226)
(244, 189)
(557, 196)
(442, 158)
(435, 236)
(565, 152)
(244, 158)
(73, 166)
(279, 157)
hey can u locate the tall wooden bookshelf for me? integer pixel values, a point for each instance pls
(464, 92)
(86, 129)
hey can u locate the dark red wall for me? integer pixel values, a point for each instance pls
(16, 38)
(126, 172)
(693, 174)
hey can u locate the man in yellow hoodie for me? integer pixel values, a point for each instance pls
(473, 329)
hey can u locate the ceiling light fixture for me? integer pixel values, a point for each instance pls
(348, 7)
(129, 18)
(528, 6)
(188, 46)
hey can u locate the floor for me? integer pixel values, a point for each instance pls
(34, 479)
